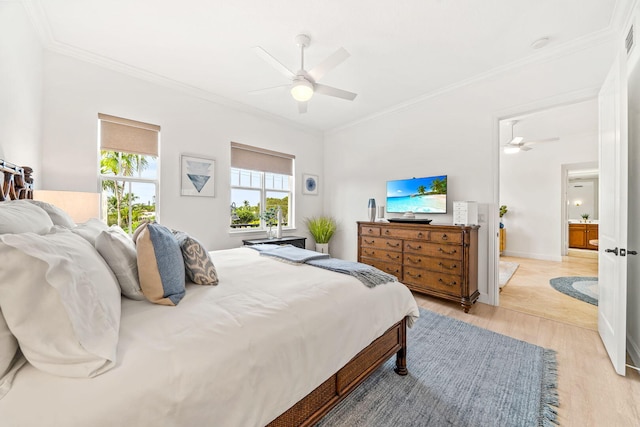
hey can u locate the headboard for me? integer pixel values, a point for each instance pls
(17, 183)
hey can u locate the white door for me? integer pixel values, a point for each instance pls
(612, 232)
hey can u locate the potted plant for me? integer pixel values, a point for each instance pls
(585, 217)
(270, 218)
(322, 229)
(503, 211)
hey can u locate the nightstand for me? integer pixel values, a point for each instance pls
(288, 240)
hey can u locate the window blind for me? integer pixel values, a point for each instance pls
(258, 159)
(129, 136)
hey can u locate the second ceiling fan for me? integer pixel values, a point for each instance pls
(304, 84)
(519, 143)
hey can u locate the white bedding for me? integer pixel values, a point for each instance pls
(236, 354)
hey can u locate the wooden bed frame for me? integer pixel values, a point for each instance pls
(18, 184)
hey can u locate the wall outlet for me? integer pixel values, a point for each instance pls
(481, 217)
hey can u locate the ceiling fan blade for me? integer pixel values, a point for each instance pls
(329, 64)
(302, 107)
(268, 89)
(525, 148)
(516, 140)
(332, 91)
(542, 140)
(273, 62)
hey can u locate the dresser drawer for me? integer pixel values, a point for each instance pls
(369, 231)
(387, 267)
(406, 234)
(444, 237)
(382, 254)
(433, 250)
(380, 243)
(430, 280)
(440, 265)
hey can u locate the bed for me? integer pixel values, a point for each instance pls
(271, 344)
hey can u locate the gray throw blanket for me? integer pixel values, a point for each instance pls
(367, 274)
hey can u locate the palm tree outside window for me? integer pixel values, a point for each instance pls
(128, 171)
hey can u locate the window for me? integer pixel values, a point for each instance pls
(261, 180)
(128, 171)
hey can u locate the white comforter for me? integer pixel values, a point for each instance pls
(236, 354)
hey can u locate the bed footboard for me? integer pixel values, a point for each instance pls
(320, 401)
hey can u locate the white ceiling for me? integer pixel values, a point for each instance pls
(400, 51)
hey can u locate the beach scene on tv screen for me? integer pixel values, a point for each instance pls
(419, 195)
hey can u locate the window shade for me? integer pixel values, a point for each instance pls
(129, 136)
(259, 159)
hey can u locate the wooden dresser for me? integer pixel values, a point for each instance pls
(438, 260)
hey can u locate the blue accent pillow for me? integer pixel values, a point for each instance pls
(160, 265)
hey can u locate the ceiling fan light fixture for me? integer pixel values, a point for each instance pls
(511, 150)
(302, 90)
(517, 140)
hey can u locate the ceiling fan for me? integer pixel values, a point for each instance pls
(304, 83)
(518, 143)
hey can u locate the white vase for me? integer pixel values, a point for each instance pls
(323, 248)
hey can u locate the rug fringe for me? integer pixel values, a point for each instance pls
(549, 397)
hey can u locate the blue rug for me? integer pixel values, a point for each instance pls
(582, 288)
(459, 375)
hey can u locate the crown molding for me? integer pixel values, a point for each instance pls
(604, 36)
(40, 22)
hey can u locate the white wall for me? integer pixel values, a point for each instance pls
(20, 87)
(452, 133)
(531, 187)
(76, 91)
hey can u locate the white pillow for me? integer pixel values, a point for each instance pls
(119, 252)
(10, 358)
(61, 301)
(57, 215)
(20, 216)
(89, 230)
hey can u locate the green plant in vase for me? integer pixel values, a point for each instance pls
(503, 211)
(322, 228)
(270, 218)
(585, 217)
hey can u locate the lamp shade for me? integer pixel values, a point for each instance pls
(79, 205)
(302, 90)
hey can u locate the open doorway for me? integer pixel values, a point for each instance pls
(534, 179)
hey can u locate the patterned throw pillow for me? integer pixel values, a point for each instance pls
(160, 265)
(197, 262)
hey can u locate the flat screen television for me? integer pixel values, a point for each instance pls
(418, 195)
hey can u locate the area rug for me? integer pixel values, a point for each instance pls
(582, 288)
(459, 375)
(506, 271)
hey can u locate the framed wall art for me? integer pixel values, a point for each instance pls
(310, 184)
(197, 176)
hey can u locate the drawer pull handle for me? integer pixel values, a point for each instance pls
(453, 266)
(445, 237)
(387, 232)
(448, 253)
(417, 276)
(370, 230)
(370, 252)
(369, 242)
(393, 246)
(413, 247)
(448, 284)
(420, 234)
(414, 261)
(393, 257)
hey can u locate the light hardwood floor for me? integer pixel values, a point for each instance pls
(529, 290)
(590, 392)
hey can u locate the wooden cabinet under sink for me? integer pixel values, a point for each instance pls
(580, 236)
